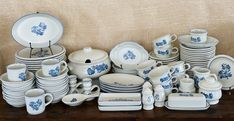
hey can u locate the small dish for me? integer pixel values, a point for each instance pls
(77, 99)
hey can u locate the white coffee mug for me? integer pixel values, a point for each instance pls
(17, 72)
(187, 85)
(179, 67)
(165, 51)
(164, 40)
(168, 86)
(52, 67)
(35, 100)
(198, 35)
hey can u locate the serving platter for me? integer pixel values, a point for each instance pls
(38, 30)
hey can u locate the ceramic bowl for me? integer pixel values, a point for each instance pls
(7, 82)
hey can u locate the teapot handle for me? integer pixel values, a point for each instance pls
(215, 77)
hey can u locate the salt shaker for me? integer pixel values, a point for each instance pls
(148, 99)
(87, 84)
(147, 85)
(159, 96)
(72, 83)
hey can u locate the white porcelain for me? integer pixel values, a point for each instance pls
(187, 108)
(147, 85)
(72, 79)
(77, 99)
(211, 89)
(145, 67)
(223, 67)
(186, 40)
(128, 54)
(199, 74)
(147, 99)
(165, 51)
(120, 88)
(37, 30)
(52, 67)
(187, 85)
(15, 84)
(17, 72)
(112, 90)
(120, 108)
(35, 101)
(159, 96)
(173, 56)
(119, 99)
(116, 69)
(89, 63)
(198, 35)
(179, 67)
(49, 79)
(164, 40)
(186, 100)
(121, 80)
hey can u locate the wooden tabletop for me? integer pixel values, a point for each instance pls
(60, 111)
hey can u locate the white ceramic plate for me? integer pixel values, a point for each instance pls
(120, 88)
(121, 80)
(173, 56)
(223, 67)
(119, 91)
(120, 108)
(186, 40)
(187, 108)
(206, 49)
(128, 55)
(37, 29)
(119, 99)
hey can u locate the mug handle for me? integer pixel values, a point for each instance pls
(173, 37)
(174, 50)
(93, 87)
(172, 70)
(174, 88)
(186, 76)
(187, 66)
(65, 64)
(158, 63)
(174, 80)
(51, 96)
(213, 75)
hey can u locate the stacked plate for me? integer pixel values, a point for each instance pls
(165, 61)
(57, 86)
(38, 55)
(117, 69)
(121, 83)
(13, 91)
(119, 102)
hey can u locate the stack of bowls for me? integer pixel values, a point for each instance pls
(13, 91)
(38, 55)
(57, 86)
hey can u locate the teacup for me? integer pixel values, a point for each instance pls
(199, 74)
(187, 85)
(198, 35)
(35, 100)
(168, 86)
(145, 67)
(179, 77)
(16, 72)
(52, 67)
(164, 40)
(179, 67)
(165, 51)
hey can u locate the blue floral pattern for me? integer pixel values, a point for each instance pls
(197, 80)
(97, 68)
(163, 52)
(208, 96)
(176, 71)
(163, 42)
(225, 71)
(198, 39)
(165, 78)
(129, 55)
(40, 29)
(54, 72)
(73, 100)
(35, 105)
(22, 76)
(167, 86)
(156, 97)
(148, 70)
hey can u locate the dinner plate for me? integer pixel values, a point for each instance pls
(186, 40)
(187, 108)
(184, 47)
(120, 88)
(38, 30)
(119, 91)
(128, 54)
(223, 67)
(121, 80)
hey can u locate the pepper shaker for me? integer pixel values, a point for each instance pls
(159, 96)
(148, 99)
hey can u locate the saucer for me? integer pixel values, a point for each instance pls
(186, 40)
(172, 56)
(223, 67)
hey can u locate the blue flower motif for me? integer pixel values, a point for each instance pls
(163, 52)
(197, 80)
(129, 55)
(22, 76)
(165, 78)
(161, 43)
(176, 71)
(225, 71)
(39, 30)
(54, 72)
(208, 96)
(73, 100)
(97, 68)
(35, 105)
(198, 39)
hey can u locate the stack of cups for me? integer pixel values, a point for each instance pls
(162, 46)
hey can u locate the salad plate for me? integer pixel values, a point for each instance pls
(223, 67)
(187, 108)
(121, 80)
(186, 40)
(128, 54)
(37, 30)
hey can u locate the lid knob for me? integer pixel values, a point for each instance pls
(87, 49)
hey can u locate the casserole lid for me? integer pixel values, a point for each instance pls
(88, 55)
(210, 83)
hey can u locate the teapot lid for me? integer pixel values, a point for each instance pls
(210, 83)
(88, 55)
